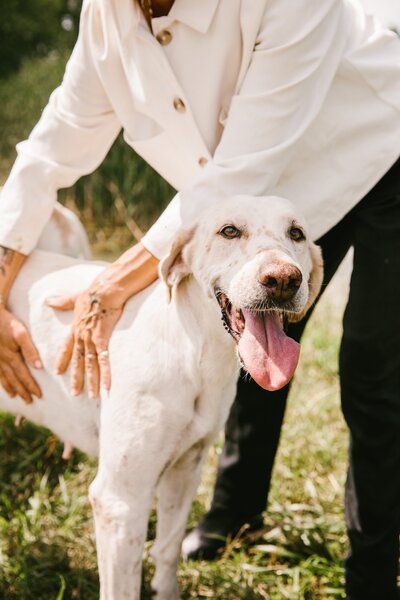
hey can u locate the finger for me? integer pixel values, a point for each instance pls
(28, 349)
(78, 368)
(62, 302)
(16, 384)
(19, 419)
(101, 339)
(24, 376)
(92, 369)
(104, 364)
(64, 358)
(6, 385)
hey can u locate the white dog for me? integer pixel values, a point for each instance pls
(65, 234)
(174, 370)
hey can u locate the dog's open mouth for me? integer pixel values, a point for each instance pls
(267, 353)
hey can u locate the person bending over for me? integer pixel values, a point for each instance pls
(298, 99)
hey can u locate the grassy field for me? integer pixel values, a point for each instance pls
(47, 546)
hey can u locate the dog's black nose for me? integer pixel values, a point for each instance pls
(281, 281)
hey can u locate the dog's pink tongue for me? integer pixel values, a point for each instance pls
(268, 354)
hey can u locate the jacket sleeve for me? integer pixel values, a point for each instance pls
(73, 135)
(295, 58)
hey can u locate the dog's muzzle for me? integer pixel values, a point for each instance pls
(264, 349)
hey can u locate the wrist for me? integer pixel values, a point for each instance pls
(131, 273)
(11, 262)
(3, 300)
(107, 286)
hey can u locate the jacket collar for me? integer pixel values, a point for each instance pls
(196, 14)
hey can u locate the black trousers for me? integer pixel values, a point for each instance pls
(370, 394)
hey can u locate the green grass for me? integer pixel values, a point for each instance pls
(47, 544)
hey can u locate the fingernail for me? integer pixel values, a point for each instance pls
(74, 392)
(38, 364)
(92, 395)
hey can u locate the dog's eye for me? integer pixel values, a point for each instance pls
(296, 234)
(229, 232)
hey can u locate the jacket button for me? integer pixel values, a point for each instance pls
(202, 161)
(179, 105)
(164, 37)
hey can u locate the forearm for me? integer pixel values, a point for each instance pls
(132, 272)
(11, 262)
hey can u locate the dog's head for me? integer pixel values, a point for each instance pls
(255, 257)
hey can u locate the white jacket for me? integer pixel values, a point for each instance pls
(297, 98)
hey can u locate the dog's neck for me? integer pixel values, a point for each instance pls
(192, 301)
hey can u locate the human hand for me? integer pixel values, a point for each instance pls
(17, 352)
(96, 312)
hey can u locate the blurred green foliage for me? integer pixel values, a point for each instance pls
(34, 27)
(124, 190)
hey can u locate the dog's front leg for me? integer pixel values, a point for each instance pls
(176, 491)
(121, 516)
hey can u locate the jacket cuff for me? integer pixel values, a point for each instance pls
(160, 236)
(16, 237)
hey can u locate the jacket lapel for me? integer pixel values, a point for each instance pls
(250, 18)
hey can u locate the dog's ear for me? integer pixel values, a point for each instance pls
(173, 267)
(314, 281)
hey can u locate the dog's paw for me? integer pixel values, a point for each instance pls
(170, 593)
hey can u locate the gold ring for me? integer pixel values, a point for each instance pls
(103, 353)
(90, 355)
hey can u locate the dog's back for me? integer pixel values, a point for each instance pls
(155, 353)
